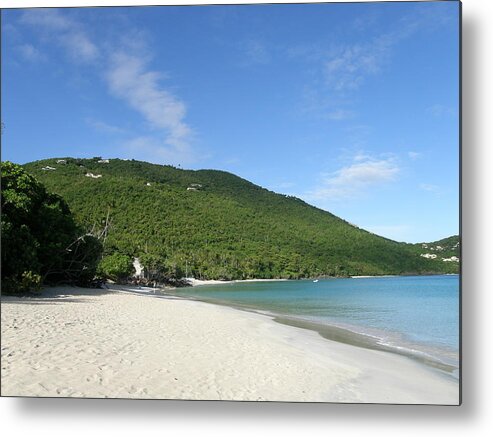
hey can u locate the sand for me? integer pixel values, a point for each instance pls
(123, 344)
(197, 282)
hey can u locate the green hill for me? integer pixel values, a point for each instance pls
(213, 224)
(447, 249)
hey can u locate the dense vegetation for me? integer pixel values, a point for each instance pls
(213, 224)
(116, 267)
(41, 241)
(447, 248)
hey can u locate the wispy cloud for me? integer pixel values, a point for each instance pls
(325, 107)
(255, 52)
(341, 69)
(101, 126)
(430, 188)
(347, 67)
(31, 53)
(130, 79)
(66, 32)
(80, 47)
(340, 114)
(153, 149)
(355, 179)
(124, 66)
(414, 155)
(364, 22)
(47, 19)
(439, 110)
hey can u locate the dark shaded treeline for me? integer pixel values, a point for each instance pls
(41, 241)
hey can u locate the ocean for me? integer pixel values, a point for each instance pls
(416, 316)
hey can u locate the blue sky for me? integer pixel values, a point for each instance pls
(352, 107)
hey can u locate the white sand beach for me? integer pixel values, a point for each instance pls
(102, 343)
(196, 282)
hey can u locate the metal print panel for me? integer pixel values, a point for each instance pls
(232, 202)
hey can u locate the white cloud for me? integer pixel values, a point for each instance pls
(47, 18)
(325, 107)
(353, 180)
(347, 67)
(124, 68)
(430, 188)
(341, 70)
(152, 149)
(340, 114)
(364, 22)
(101, 126)
(31, 53)
(66, 32)
(129, 79)
(79, 46)
(362, 156)
(414, 155)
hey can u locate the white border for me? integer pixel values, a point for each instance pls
(38, 417)
(61, 3)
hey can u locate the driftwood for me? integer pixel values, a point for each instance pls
(78, 260)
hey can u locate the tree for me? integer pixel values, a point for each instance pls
(40, 239)
(155, 268)
(116, 267)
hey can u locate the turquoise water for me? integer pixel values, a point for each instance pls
(414, 314)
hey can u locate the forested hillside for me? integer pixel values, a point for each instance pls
(446, 249)
(213, 224)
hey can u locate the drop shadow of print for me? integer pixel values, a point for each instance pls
(471, 235)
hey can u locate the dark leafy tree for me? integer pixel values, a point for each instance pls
(116, 267)
(41, 241)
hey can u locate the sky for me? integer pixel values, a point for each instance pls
(352, 107)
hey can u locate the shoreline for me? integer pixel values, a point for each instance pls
(373, 276)
(198, 282)
(125, 343)
(363, 340)
(341, 334)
